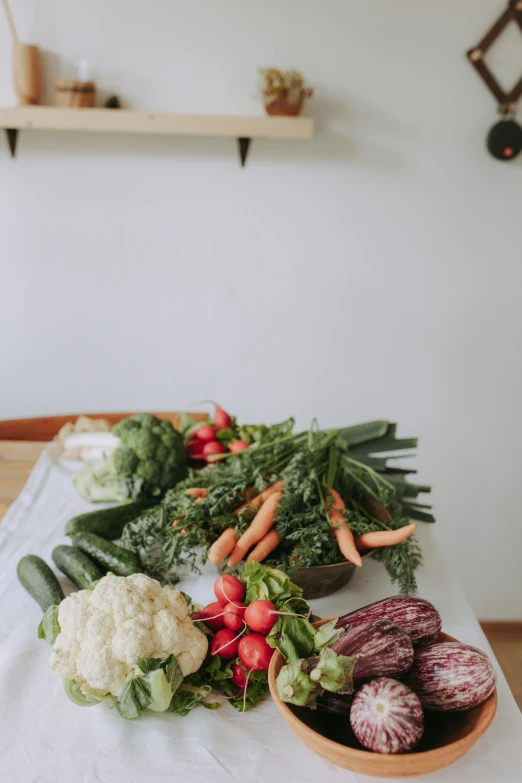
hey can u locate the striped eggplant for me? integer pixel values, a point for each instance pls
(414, 615)
(382, 649)
(334, 703)
(387, 717)
(450, 676)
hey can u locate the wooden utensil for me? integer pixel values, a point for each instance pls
(447, 736)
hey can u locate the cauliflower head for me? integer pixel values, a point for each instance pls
(105, 632)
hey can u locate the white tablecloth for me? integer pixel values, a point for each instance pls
(44, 738)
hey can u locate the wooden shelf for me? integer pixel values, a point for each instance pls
(123, 121)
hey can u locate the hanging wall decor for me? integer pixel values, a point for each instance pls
(504, 140)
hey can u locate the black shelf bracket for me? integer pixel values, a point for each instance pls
(244, 144)
(12, 138)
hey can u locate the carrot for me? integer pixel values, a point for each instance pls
(258, 500)
(380, 538)
(341, 528)
(223, 546)
(264, 547)
(258, 528)
(197, 492)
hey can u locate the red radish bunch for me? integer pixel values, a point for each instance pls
(235, 636)
(205, 443)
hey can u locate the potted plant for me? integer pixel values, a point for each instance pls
(283, 92)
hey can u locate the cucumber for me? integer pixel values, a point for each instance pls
(76, 565)
(107, 522)
(111, 557)
(36, 577)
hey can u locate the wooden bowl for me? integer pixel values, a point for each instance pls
(447, 735)
(320, 581)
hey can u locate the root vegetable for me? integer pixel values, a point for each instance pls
(223, 546)
(205, 433)
(341, 528)
(255, 503)
(264, 547)
(380, 538)
(221, 418)
(212, 447)
(238, 445)
(259, 527)
(229, 589)
(238, 675)
(233, 616)
(254, 652)
(212, 615)
(225, 644)
(197, 492)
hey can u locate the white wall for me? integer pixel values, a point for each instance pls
(374, 272)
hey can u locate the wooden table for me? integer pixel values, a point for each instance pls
(16, 462)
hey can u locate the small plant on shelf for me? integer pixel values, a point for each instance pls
(284, 92)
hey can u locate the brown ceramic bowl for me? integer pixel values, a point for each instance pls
(320, 581)
(447, 736)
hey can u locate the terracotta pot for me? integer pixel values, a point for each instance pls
(447, 735)
(283, 108)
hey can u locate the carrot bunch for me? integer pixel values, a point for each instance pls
(261, 539)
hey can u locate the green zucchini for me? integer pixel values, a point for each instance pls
(107, 522)
(41, 583)
(76, 565)
(108, 555)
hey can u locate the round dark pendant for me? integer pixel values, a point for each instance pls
(505, 140)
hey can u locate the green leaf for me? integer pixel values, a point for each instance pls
(185, 423)
(189, 696)
(49, 627)
(334, 672)
(78, 697)
(74, 692)
(270, 584)
(327, 634)
(295, 686)
(360, 433)
(150, 664)
(134, 698)
(294, 637)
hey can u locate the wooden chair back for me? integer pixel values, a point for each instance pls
(44, 428)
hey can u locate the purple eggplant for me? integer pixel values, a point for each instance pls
(417, 617)
(334, 703)
(451, 677)
(382, 649)
(386, 716)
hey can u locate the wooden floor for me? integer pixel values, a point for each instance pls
(506, 640)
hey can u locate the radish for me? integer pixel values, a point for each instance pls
(225, 644)
(238, 445)
(386, 716)
(261, 616)
(212, 615)
(238, 675)
(207, 433)
(233, 616)
(195, 449)
(254, 652)
(229, 589)
(213, 447)
(221, 418)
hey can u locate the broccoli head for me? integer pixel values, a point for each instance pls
(149, 460)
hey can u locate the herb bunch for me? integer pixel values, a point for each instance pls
(348, 460)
